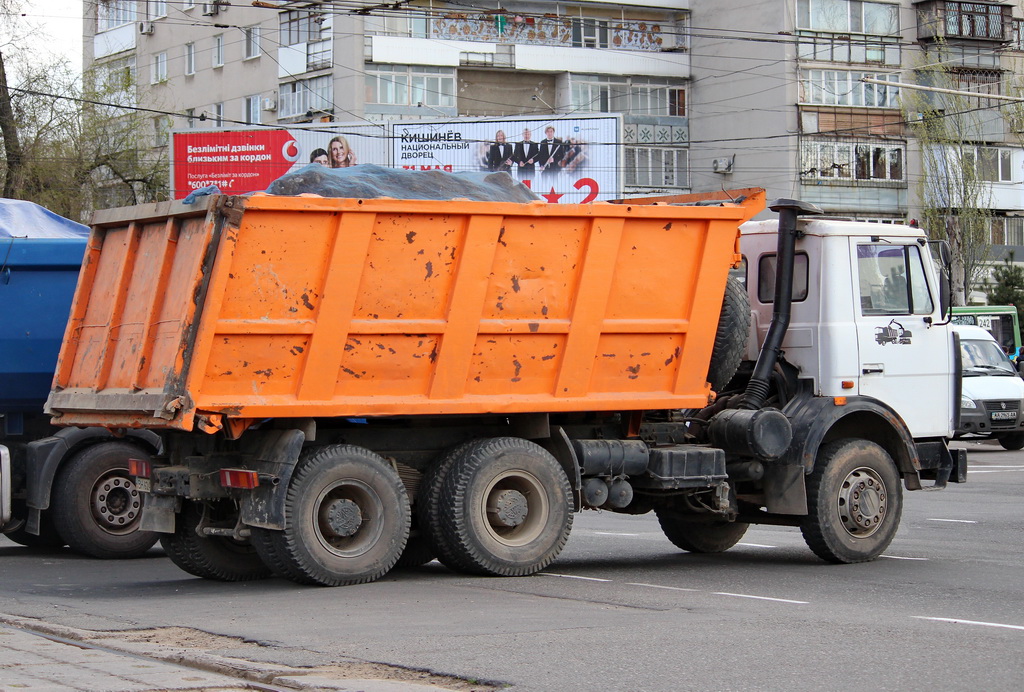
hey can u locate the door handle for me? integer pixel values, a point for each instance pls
(873, 369)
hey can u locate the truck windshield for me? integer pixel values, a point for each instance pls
(984, 358)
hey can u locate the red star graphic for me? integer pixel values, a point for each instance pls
(552, 197)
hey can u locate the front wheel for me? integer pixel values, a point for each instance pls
(346, 519)
(1012, 441)
(854, 500)
(220, 558)
(504, 509)
(96, 506)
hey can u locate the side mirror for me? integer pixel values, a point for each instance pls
(941, 250)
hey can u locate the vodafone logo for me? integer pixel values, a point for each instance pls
(290, 150)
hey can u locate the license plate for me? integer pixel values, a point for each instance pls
(1004, 415)
(145, 485)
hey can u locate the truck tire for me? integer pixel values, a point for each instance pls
(96, 506)
(701, 537)
(211, 557)
(428, 502)
(48, 538)
(731, 335)
(505, 508)
(1012, 441)
(854, 502)
(347, 519)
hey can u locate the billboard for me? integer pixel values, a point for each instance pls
(247, 160)
(564, 160)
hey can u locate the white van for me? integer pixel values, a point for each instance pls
(992, 400)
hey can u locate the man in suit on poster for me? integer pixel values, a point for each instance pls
(500, 157)
(526, 155)
(551, 152)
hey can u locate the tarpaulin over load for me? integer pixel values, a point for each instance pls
(21, 219)
(367, 181)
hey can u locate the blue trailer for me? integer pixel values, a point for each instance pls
(57, 486)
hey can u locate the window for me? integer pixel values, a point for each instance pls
(657, 166)
(252, 110)
(589, 33)
(766, 278)
(218, 50)
(252, 41)
(1017, 42)
(979, 82)
(190, 58)
(848, 17)
(218, 115)
(403, 85)
(161, 130)
(413, 24)
(842, 88)
(298, 26)
(303, 96)
(636, 95)
(190, 118)
(883, 272)
(159, 68)
(157, 9)
(116, 75)
(852, 161)
(990, 164)
(188, 5)
(111, 14)
(975, 20)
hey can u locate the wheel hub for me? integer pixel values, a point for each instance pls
(863, 502)
(116, 502)
(343, 517)
(507, 508)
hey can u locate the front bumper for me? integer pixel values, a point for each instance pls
(986, 419)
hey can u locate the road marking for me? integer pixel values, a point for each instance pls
(971, 622)
(991, 470)
(613, 533)
(760, 598)
(757, 545)
(900, 557)
(996, 466)
(659, 586)
(572, 576)
(955, 521)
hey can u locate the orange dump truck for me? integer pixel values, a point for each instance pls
(347, 384)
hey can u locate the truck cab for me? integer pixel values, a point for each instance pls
(867, 316)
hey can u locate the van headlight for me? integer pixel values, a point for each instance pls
(967, 402)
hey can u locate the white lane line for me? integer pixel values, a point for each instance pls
(572, 576)
(757, 545)
(659, 586)
(955, 521)
(900, 557)
(760, 598)
(613, 533)
(971, 622)
(990, 470)
(996, 466)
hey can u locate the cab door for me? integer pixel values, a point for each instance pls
(905, 361)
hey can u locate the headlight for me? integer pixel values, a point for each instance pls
(967, 402)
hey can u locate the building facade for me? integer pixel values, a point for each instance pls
(801, 97)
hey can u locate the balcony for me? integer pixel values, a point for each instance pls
(964, 21)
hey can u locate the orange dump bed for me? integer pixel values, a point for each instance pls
(244, 308)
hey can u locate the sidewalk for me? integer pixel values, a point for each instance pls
(36, 662)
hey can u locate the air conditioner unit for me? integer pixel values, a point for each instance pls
(269, 104)
(146, 28)
(722, 165)
(210, 8)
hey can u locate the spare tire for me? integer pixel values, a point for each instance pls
(731, 336)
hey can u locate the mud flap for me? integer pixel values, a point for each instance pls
(785, 491)
(158, 513)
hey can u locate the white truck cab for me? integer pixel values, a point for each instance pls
(992, 392)
(866, 317)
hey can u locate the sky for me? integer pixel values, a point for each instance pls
(60, 23)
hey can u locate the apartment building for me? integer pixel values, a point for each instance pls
(219, 64)
(803, 97)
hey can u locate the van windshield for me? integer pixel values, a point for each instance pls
(984, 358)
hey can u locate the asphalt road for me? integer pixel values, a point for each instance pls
(622, 609)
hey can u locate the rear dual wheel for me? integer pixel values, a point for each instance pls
(347, 519)
(497, 507)
(221, 558)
